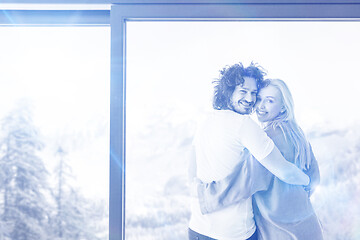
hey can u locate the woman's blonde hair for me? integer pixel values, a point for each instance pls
(287, 123)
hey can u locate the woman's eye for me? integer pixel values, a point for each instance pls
(270, 101)
(242, 91)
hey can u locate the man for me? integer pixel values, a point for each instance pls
(226, 138)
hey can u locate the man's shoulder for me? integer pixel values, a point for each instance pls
(229, 115)
(226, 120)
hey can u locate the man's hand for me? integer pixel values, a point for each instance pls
(310, 189)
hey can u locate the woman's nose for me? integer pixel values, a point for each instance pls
(261, 105)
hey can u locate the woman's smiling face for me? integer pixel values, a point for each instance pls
(269, 104)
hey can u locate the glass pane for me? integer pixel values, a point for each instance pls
(54, 107)
(170, 70)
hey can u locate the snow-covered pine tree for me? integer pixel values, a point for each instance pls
(62, 172)
(25, 177)
(75, 215)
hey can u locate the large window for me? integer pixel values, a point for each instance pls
(164, 55)
(55, 114)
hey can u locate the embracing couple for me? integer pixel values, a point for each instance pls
(252, 182)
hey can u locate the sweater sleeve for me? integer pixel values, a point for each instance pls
(248, 177)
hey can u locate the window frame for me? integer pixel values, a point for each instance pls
(123, 11)
(53, 18)
(52, 2)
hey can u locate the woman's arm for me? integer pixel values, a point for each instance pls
(192, 163)
(248, 177)
(193, 181)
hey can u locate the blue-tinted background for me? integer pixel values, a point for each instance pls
(170, 69)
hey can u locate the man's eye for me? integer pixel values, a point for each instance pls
(270, 101)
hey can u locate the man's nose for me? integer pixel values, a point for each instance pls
(249, 97)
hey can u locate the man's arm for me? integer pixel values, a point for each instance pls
(248, 177)
(264, 150)
(284, 170)
(314, 173)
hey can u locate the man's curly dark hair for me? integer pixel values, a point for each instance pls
(230, 77)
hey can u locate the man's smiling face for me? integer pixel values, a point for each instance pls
(244, 96)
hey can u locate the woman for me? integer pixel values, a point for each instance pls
(282, 211)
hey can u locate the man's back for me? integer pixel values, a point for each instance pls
(217, 144)
(219, 148)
